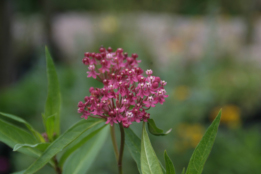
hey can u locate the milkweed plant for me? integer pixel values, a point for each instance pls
(127, 95)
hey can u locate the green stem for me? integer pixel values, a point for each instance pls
(57, 168)
(121, 148)
(114, 142)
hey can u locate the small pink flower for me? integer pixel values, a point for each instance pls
(110, 55)
(146, 116)
(142, 90)
(149, 72)
(105, 66)
(136, 115)
(161, 96)
(92, 72)
(150, 102)
(126, 122)
(118, 112)
(129, 114)
(135, 61)
(85, 114)
(111, 120)
(163, 83)
(98, 109)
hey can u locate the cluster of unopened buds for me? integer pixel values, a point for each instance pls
(126, 95)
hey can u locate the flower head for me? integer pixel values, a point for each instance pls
(127, 94)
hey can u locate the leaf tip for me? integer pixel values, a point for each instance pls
(165, 154)
(219, 115)
(15, 148)
(169, 131)
(47, 54)
(184, 170)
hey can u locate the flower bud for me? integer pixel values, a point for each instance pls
(87, 54)
(119, 50)
(105, 82)
(102, 49)
(157, 79)
(91, 89)
(155, 85)
(134, 55)
(98, 56)
(109, 49)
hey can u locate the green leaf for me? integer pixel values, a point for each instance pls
(162, 167)
(134, 145)
(12, 135)
(37, 135)
(50, 127)
(153, 129)
(53, 102)
(62, 141)
(169, 165)
(80, 161)
(149, 161)
(183, 171)
(39, 146)
(203, 149)
(21, 172)
(78, 145)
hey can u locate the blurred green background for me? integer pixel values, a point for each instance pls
(207, 50)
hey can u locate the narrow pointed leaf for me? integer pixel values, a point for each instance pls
(50, 127)
(183, 171)
(53, 102)
(61, 142)
(203, 149)
(169, 165)
(39, 146)
(78, 145)
(20, 120)
(134, 145)
(153, 129)
(82, 159)
(149, 161)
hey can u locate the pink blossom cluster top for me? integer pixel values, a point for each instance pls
(126, 95)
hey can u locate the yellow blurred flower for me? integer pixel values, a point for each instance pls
(175, 45)
(181, 93)
(109, 24)
(230, 116)
(189, 135)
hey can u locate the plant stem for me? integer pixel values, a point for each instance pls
(121, 148)
(114, 142)
(57, 168)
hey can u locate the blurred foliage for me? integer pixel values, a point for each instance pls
(210, 82)
(230, 116)
(195, 92)
(240, 149)
(185, 7)
(197, 88)
(188, 136)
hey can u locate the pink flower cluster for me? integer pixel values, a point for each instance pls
(126, 94)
